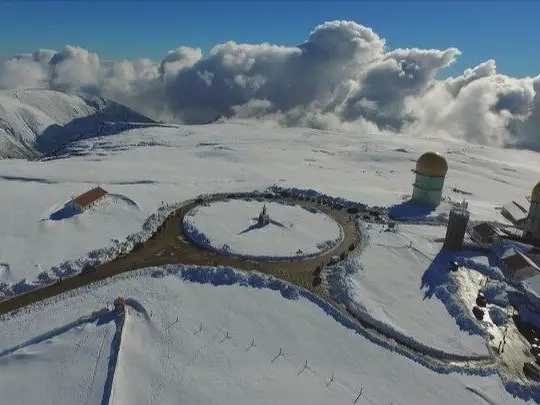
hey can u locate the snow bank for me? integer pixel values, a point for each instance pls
(496, 292)
(498, 315)
(470, 263)
(412, 212)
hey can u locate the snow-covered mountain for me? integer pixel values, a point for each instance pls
(34, 122)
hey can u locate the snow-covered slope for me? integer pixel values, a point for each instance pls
(146, 167)
(37, 121)
(201, 344)
(390, 282)
(69, 362)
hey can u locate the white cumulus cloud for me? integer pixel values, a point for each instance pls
(342, 76)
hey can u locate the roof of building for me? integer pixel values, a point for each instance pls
(519, 261)
(535, 195)
(432, 164)
(485, 230)
(515, 211)
(89, 197)
(532, 285)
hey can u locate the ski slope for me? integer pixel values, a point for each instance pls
(189, 340)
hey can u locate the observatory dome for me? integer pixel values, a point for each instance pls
(433, 164)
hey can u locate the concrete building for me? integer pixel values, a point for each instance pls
(483, 233)
(457, 227)
(517, 267)
(531, 288)
(532, 224)
(431, 169)
(515, 212)
(88, 199)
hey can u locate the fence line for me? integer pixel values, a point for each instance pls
(221, 335)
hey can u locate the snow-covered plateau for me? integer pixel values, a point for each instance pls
(231, 227)
(166, 165)
(194, 345)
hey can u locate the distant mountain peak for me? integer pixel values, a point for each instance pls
(37, 122)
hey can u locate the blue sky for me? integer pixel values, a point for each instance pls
(504, 31)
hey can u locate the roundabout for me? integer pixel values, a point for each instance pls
(262, 230)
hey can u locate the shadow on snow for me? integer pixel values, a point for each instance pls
(409, 210)
(66, 212)
(257, 225)
(99, 319)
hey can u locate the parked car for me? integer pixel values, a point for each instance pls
(481, 300)
(535, 349)
(478, 313)
(532, 370)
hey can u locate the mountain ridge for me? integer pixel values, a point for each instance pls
(37, 122)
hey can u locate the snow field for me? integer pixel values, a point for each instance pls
(143, 164)
(394, 279)
(69, 366)
(230, 227)
(181, 362)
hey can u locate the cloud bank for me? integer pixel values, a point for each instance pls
(342, 76)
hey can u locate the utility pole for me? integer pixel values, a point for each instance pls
(359, 395)
(331, 381)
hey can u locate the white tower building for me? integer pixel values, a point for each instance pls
(431, 169)
(532, 224)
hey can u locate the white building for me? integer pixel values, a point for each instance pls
(431, 169)
(517, 267)
(515, 212)
(532, 224)
(87, 199)
(531, 287)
